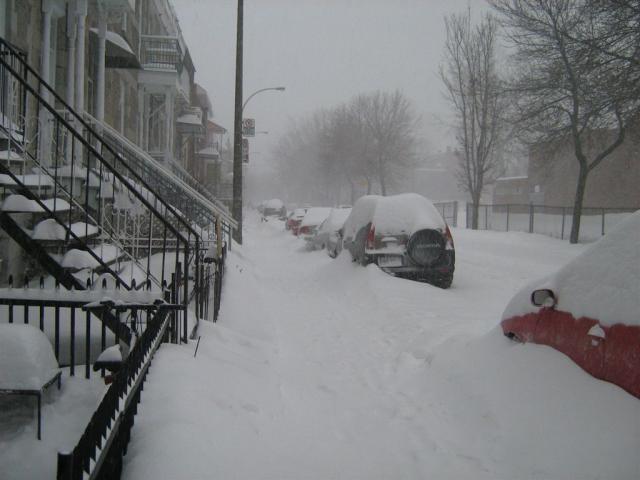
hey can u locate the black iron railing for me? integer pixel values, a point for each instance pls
(101, 447)
(99, 184)
(99, 452)
(161, 53)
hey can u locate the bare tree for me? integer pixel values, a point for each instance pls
(368, 139)
(576, 83)
(475, 93)
(390, 124)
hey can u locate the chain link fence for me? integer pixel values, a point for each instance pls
(552, 221)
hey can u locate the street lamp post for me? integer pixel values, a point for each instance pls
(279, 89)
(237, 147)
(237, 129)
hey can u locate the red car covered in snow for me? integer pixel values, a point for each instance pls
(294, 219)
(590, 309)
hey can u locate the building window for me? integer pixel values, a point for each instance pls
(157, 123)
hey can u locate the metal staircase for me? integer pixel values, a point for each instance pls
(114, 197)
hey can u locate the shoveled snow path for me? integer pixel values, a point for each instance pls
(319, 368)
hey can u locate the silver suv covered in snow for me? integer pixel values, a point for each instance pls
(404, 235)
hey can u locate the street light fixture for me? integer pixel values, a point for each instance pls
(279, 89)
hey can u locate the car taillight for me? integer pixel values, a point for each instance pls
(371, 237)
(449, 239)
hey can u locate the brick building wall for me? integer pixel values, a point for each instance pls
(553, 173)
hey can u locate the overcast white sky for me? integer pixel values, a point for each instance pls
(323, 52)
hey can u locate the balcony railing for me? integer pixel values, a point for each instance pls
(160, 53)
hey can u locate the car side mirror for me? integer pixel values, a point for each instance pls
(543, 298)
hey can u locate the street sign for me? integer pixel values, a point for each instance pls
(245, 150)
(248, 127)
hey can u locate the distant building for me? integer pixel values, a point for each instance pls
(437, 179)
(553, 174)
(511, 190)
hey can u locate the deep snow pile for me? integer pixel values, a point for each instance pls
(320, 368)
(65, 414)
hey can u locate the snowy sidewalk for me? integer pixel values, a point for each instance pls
(320, 369)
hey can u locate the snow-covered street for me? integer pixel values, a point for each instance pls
(320, 368)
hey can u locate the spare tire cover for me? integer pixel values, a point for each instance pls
(425, 247)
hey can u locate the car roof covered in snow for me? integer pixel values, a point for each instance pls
(274, 203)
(602, 283)
(404, 213)
(315, 216)
(336, 219)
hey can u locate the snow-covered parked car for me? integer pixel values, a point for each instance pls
(589, 309)
(294, 219)
(404, 235)
(310, 223)
(272, 208)
(327, 236)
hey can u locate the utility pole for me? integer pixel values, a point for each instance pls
(237, 130)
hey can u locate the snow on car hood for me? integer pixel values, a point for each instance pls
(408, 213)
(602, 283)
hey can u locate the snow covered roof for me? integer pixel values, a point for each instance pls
(209, 152)
(26, 357)
(509, 179)
(190, 119)
(602, 283)
(215, 128)
(119, 53)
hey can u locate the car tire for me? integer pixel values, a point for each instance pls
(442, 281)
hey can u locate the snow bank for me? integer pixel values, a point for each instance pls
(26, 357)
(602, 283)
